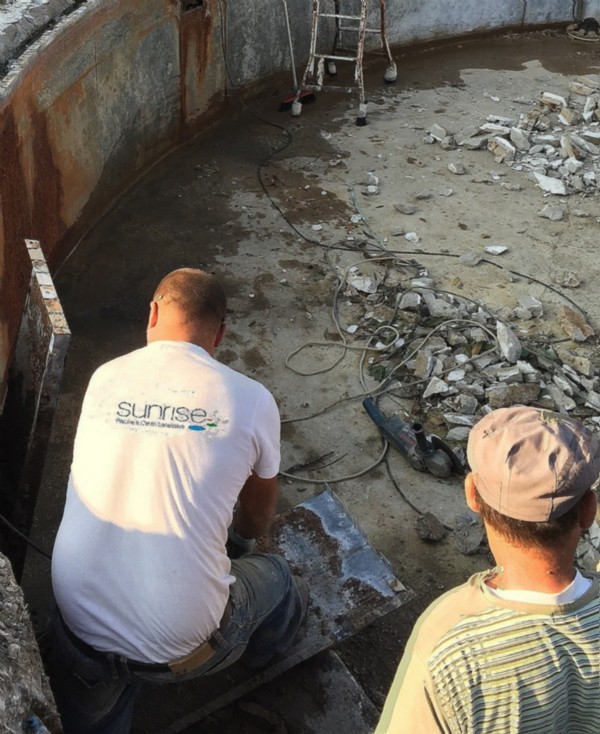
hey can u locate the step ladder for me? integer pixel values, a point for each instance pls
(351, 25)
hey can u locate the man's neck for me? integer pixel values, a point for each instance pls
(530, 568)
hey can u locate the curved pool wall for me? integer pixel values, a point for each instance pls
(93, 92)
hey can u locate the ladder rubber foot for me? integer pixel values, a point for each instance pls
(361, 121)
(391, 74)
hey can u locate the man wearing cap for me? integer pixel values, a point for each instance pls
(515, 650)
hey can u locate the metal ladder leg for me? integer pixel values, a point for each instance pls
(355, 22)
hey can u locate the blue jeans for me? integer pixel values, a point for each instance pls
(98, 697)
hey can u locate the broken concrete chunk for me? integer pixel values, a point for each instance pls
(589, 178)
(520, 138)
(551, 185)
(569, 116)
(496, 249)
(405, 208)
(563, 384)
(532, 304)
(567, 279)
(467, 404)
(437, 132)
(457, 168)
(361, 283)
(435, 387)
(438, 307)
(589, 108)
(476, 143)
(470, 258)
(448, 143)
(553, 212)
(423, 365)
(592, 136)
(501, 148)
(578, 87)
(409, 301)
(562, 403)
(509, 375)
(468, 533)
(554, 102)
(411, 237)
(423, 282)
(494, 129)
(429, 528)
(469, 132)
(458, 433)
(454, 419)
(585, 145)
(510, 346)
(523, 314)
(583, 365)
(573, 165)
(574, 324)
(503, 396)
(593, 400)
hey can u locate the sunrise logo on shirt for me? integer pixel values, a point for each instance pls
(162, 415)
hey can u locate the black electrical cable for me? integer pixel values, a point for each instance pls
(25, 538)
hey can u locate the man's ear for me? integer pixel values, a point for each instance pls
(153, 315)
(220, 334)
(470, 494)
(587, 513)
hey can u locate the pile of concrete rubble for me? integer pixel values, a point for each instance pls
(557, 141)
(455, 359)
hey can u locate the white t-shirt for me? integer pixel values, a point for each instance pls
(166, 439)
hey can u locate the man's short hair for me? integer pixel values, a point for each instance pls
(531, 464)
(199, 296)
(545, 534)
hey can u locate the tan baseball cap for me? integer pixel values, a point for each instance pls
(532, 464)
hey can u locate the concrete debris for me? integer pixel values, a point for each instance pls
(510, 346)
(468, 533)
(458, 360)
(552, 212)
(458, 434)
(551, 185)
(520, 138)
(411, 237)
(557, 140)
(457, 168)
(580, 364)
(361, 283)
(533, 305)
(567, 279)
(574, 324)
(405, 208)
(409, 301)
(437, 132)
(429, 528)
(470, 258)
(502, 149)
(435, 387)
(496, 249)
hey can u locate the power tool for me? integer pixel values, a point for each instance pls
(423, 453)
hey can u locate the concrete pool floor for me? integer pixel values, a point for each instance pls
(279, 246)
